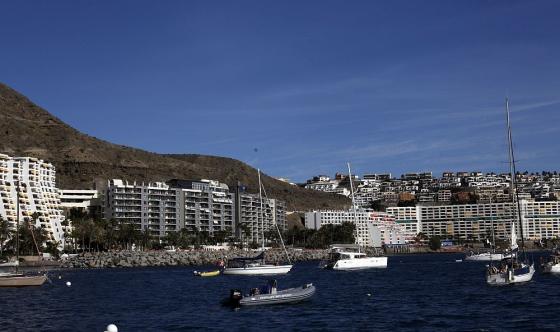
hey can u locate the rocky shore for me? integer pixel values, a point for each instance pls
(180, 258)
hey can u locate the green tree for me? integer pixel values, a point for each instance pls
(435, 243)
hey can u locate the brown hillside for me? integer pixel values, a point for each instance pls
(82, 160)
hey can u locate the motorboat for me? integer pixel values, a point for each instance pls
(207, 273)
(484, 256)
(552, 264)
(341, 258)
(254, 266)
(269, 294)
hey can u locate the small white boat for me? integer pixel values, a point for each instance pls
(9, 264)
(340, 259)
(551, 267)
(484, 257)
(552, 264)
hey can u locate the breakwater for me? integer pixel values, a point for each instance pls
(127, 258)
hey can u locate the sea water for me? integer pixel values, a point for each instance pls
(430, 292)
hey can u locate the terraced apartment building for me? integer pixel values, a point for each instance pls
(34, 182)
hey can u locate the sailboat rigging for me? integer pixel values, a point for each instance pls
(257, 265)
(511, 270)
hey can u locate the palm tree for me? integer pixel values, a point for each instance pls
(146, 238)
(245, 232)
(5, 234)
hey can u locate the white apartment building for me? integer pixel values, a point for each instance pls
(208, 205)
(407, 217)
(250, 216)
(82, 199)
(468, 221)
(37, 194)
(152, 206)
(541, 220)
(328, 187)
(372, 228)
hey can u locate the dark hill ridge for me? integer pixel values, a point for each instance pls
(82, 160)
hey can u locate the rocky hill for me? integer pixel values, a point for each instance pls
(81, 160)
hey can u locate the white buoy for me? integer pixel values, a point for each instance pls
(368, 294)
(68, 283)
(112, 328)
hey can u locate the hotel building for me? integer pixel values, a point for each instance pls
(373, 229)
(153, 206)
(37, 194)
(206, 205)
(541, 220)
(258, 220)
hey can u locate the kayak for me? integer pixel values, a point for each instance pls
(207, 273)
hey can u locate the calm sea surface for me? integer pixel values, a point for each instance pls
(415, 293)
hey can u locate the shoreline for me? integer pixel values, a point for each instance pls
(127, 258)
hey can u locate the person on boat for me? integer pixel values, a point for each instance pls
(273, 284)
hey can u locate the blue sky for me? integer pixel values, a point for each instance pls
(298, 88)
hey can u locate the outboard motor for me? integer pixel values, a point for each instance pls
(235, 296)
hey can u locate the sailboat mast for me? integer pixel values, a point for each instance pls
(278, 230)
(492, 223)
(515, 196)
(353, 204)
(262, 215)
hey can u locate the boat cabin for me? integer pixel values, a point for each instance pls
(242, 262)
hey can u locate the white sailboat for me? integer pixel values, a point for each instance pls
(488, 256)
(17, 278)
(257, 265)
(511, 270)
(341, 258)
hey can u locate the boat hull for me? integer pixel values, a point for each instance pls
(258, 270)
(22, 281)
(291, 295)
(551, 268)
(360, 263)
(484, 257)
(508, 278)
